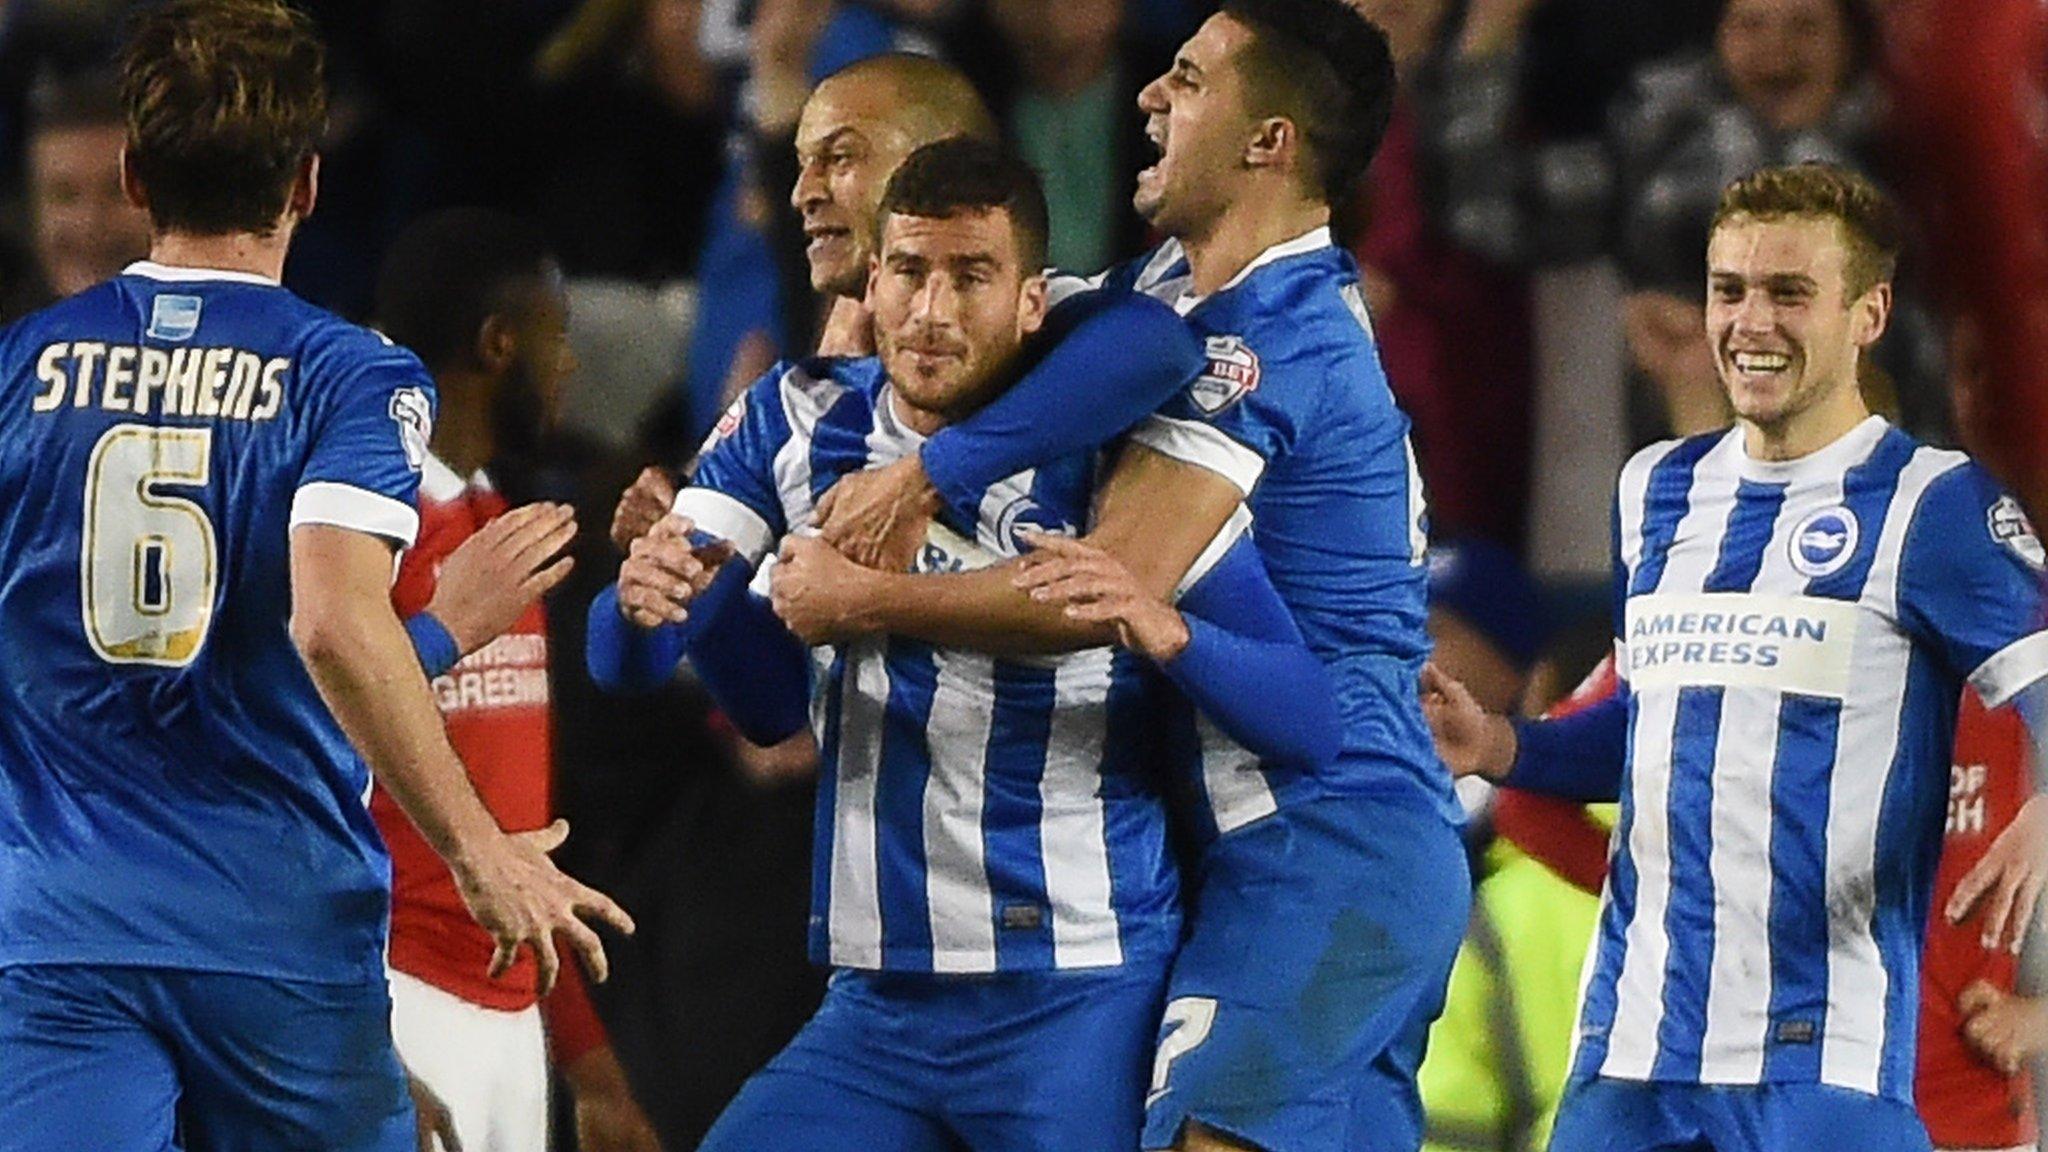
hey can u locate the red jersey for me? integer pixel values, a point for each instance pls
(495, 704)
(1965, 1102)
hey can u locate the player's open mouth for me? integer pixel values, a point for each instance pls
(821, 238)
(1760, 363)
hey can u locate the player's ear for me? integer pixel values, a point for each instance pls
(131, 184)
(305, 191)
(1031, 304)
(1273, 144)
(497, 342)
(1870, 314)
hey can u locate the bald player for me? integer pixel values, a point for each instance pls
(855, 129)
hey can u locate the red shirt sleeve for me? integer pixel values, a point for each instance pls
(574, 1028)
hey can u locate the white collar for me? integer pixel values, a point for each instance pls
(1313, 240)
(1834, 457)
(151, 270)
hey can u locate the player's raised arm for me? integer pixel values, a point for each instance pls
(364, 665)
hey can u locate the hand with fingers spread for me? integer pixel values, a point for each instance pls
(665, 571)
(488, 582)
(820, 595)
(878, 518)
(2006, 884)
(1093, 586)
(518, 895)
(2005, 1030)
(1471, 740)
(642, 505)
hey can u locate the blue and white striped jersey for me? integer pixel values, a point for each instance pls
(173, 790)
(976, 814)
(1294, 409)
(1794, 637)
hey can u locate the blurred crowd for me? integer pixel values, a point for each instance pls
(1538, 144)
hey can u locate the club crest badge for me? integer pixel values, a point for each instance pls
(1232, 373)
(2010, 527)
(1823, 542)
(415, 419)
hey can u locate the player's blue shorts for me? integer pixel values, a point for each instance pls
(1606, 1115)
(1017, 1062)
(113, 1059)
(1320, 941)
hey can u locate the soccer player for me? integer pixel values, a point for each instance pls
(479, 298)
(992, 885)
(854, 130)
(1799, 602)
(206, 479)
(1349, 877)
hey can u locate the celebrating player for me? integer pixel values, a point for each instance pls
(1800, 600)
(1349, 876)
(206, 480)
(975, 816)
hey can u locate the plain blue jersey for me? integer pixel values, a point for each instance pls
(173, 791)
(1295, 410)
(975, 814)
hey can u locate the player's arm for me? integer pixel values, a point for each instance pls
(1111, 360)
(1158, 516)
(1576, 757)
(489, 581)
(1230, 643)
(364, 666)
(1969, 588)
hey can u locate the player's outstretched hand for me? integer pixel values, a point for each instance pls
(1469, 739)
(2006, 1031)
(1091, 585)
(2006, 884)
(819, 595)
(878, 518)
(433, 1123)
(665, 570)
(522, 900)
(642, 506)
(488, 582)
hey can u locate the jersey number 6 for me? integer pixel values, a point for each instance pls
(148, 566)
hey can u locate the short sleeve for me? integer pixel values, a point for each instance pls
(1238, 416)
(1970, 584)
(734, 493)
(368, 441)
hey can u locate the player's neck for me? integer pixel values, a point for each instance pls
(1809, 431)
(463, 437)
(1243, 231)
(230, 252)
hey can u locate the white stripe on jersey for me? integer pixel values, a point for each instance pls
(1238, 791)
(804, 401)
(956, 873)
(1075, 841)
(1639, 1005)
(347, 506)
(856, 913)
(1852, 1044)
(1738, 1017)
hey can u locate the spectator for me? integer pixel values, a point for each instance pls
(1496, 1061)
(1786, 80)
(82, 229)
(1453, 327)
(1062, 76)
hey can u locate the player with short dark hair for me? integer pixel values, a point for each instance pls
(1290, 426)
(209, 479)
(1799, 602)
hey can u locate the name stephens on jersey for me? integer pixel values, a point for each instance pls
(214, 383)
